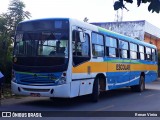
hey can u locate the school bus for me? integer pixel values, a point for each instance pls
(64, 57)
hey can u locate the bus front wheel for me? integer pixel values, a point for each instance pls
(96, 90)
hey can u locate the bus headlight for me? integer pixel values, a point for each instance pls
(61, 81)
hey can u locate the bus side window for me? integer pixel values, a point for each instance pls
(124, 49)
(153, 55)
(133, 51)
(80, 48)
(97, 45)
(81, 52)
(156, 55)
(148, 53)
(141, 53)
(111, 47)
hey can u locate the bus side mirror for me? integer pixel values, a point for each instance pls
(82, 36)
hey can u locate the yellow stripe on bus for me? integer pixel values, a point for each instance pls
(95, 67)
(111, 67)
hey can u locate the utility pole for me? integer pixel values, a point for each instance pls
(118, 14)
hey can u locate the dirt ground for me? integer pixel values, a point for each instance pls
(5, 91)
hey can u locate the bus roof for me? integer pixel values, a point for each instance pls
(98, 29)
(45, 19)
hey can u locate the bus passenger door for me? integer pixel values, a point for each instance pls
(81, 68)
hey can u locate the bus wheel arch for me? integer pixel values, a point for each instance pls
(98, 85)
(102, 81)
(143, 74)
(141, 86)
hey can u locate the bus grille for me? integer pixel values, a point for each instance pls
(37, 78)
(36, 90)
(35, 81)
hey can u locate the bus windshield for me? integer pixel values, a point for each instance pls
(42, 38)
(41, 44)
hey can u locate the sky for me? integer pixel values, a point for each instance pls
(94, 10)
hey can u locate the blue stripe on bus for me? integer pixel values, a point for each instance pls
(123, 79)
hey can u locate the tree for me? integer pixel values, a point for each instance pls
(8, 23)
(16, 14)
(5, 47)
(154, 5)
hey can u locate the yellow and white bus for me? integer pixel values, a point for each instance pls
(64, 57)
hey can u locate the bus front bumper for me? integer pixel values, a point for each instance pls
(44, 91)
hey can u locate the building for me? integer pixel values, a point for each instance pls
(141, 30)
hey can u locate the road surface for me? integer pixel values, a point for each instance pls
(116, 100)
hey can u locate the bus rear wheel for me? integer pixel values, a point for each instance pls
(141, 86)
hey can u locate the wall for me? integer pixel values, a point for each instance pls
(134, 29)
(154, 41)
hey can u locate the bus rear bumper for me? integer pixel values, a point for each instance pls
(44, 91)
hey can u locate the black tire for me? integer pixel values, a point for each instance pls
(52, 98)
(140, 87)
(96, 90)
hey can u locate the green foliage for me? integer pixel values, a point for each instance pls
(118, 4)
(8, 23)
(16, 13)
(130, 1)
(154, 5)
(5, 45)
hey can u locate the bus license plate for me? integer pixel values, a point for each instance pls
(35, 94)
